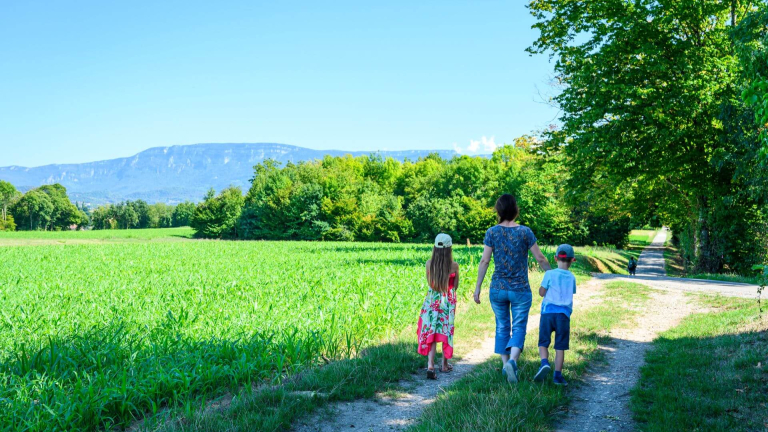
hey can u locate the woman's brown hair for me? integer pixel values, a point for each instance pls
(506, 208)
(440, 269)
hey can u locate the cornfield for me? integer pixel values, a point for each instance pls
(96, 336)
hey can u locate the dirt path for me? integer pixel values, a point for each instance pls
(603, 403)
(387, 414)
(650, 271)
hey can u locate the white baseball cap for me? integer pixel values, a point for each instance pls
(443, 241)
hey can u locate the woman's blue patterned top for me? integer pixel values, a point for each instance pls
(510, 255)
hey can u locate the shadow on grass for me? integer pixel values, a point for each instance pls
(275, 408)
(698, 378)
(108, 376)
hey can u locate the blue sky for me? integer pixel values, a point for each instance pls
(91, 80)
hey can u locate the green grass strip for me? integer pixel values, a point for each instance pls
(710, 373)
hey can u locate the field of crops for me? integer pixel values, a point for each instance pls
(98, 335)
(63, 237)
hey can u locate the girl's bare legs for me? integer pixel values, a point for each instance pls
(431, 356)
(444, 367)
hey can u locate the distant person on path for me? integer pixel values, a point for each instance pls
(632, 266)
(557, 288)
(439, 308)
(508, 243)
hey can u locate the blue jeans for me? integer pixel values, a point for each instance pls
(519, 303)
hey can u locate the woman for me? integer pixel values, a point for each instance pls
(509, 243)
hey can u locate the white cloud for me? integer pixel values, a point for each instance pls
(473, 146)
(483, 145)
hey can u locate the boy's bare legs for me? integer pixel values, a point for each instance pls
(431, 356)
(544, 354)
(559, 358)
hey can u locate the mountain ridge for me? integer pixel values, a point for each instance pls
(175, 173)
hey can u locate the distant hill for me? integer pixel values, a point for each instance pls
(173, 174)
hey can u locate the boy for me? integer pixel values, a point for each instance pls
(557, 288)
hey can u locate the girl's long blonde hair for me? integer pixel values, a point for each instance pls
(440, 269)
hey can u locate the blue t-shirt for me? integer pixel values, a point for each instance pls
(561, 286)
(510, 256)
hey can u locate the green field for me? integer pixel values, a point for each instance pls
(642, 237)
(99, 334)
(12, 238)
(113, 326)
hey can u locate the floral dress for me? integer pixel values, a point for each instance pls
(436, 319)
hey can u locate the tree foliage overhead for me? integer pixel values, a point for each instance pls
(651, 107)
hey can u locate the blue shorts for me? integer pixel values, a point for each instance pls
(559, 323)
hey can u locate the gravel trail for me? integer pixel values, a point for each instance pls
(602, 404)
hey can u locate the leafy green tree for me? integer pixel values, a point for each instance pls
(35, 209)
(127, 216)
(143, 214)
(182, 214)
(104, 217)
(8, 194)
(8, 224)
(217, 216)
(645, 85)
(160, 215)
(65, 213)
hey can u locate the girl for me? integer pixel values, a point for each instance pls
(439, 309)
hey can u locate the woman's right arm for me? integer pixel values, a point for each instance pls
(540, 258)
(485, 261)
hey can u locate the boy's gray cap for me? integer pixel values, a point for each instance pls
(565, 251)
(443, 241)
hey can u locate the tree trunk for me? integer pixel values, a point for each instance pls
(709, 260)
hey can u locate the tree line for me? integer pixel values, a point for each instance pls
(48, 208)
(370, 198)
(44, 208)
(139, 214)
